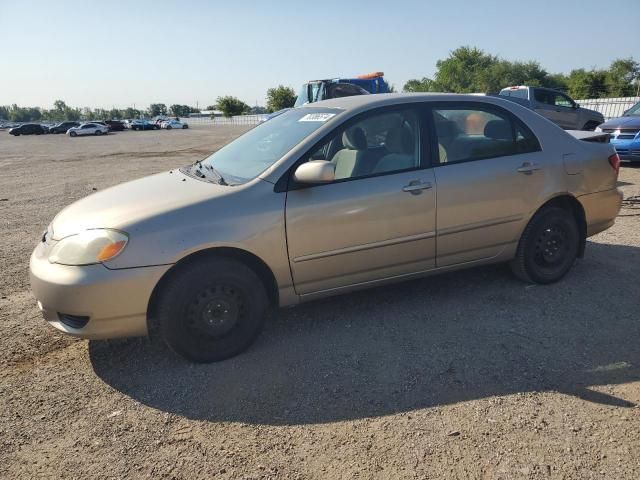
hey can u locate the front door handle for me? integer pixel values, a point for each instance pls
(416, 186)
(528, 168)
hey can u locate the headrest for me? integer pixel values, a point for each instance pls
(399, 140)
(498, 130)
(354, 139)
(447, 128)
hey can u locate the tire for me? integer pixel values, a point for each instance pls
(184, 127)
(97, 133)
(548, 247)
(169, 127)
(72, 134)
(590, 126)
(212, 310)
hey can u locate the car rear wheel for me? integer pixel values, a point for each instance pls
(548, 247)
(212, 310)
(98, 132)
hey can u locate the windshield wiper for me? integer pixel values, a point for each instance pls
(220, 179)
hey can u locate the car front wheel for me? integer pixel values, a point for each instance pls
(548, 247)
(72, 134)
(212, 310)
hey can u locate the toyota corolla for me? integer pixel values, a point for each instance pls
(321, 200)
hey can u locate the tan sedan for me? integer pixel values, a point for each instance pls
(324, 199)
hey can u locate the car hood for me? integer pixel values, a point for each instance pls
(129, 203)
(622, 122)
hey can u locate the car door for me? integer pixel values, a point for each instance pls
(566, 110)
(490, 174)
(377, 218)
(544, 105)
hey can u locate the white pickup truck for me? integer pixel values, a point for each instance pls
(558, 107)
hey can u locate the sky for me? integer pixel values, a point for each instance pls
(136, 52)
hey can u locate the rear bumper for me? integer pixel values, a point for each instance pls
(115, 301)
(601, 209)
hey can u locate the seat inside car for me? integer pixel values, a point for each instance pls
(346, 160)
(401, 146)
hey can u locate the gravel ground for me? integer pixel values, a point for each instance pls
(464, 375)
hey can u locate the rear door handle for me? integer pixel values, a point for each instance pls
(416, 186)
(528, 168)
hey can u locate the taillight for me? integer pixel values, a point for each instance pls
(614, 161)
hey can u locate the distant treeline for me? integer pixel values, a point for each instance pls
(471, 70)
(61, 111)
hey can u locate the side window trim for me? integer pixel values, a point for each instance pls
(514, 120)
(286, 182)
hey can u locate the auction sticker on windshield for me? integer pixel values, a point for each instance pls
(317, 117)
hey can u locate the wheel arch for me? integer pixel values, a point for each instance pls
(573, 205)
(249, 259)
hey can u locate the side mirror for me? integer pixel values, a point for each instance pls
(315, 171)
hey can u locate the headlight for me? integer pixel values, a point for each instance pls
(598, 129)
(89, 247)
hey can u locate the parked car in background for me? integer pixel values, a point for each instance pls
(115, 125)
(355, 180)
(171, 124)
(27, 129)
(557, 106)
(91, 128)
(63, 127)
(143, 125)
(624, 133)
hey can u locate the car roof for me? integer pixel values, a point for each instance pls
(382, 99)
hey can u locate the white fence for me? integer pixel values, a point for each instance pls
(609, 107)
(237, 120)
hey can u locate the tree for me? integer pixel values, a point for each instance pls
(471, 70)
(623, 77)
(230, 106)
(280, 97)
(157, 109)
(131, 113)
(4, 113)
(182, 110)
(587, 84)
(258, 110)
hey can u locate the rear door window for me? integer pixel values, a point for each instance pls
(466, 134)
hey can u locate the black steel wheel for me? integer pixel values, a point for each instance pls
(212, 309)
(548, 247)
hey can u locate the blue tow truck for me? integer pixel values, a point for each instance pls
(317, 90)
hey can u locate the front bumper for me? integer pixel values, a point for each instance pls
(114, 300)
(601, 209)
(627, 150)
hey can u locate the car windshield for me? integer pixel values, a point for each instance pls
(634, 111)
(251, 154)
(303, 96)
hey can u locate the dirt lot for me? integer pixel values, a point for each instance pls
(466, 375)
